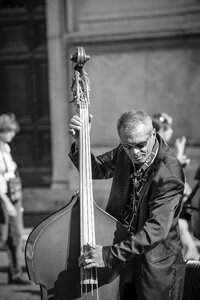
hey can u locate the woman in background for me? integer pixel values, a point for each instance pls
(11, 220)
(162, 122)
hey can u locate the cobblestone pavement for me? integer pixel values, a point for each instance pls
(15, 292)
(18, 292)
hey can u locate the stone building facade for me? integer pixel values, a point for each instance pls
(143, 55)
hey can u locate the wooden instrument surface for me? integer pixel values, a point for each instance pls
(54, 246)
(53, 249)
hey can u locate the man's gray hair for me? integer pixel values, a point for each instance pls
(132, 119)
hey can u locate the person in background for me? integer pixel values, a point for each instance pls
(146, 197)
(11, 210)
(162, 122)
(195, 203)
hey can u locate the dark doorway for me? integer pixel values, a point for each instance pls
(24, 86)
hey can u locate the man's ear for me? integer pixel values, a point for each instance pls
(154, 131)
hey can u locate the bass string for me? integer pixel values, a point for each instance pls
(86, 183)
(88, 277)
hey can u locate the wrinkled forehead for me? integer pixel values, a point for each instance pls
(134, 135)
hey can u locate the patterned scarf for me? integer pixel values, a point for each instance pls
(138, 178)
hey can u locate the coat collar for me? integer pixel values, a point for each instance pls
(163, 148)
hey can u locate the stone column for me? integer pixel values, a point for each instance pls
(57, 94)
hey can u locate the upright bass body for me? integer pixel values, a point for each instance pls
(52, 252)
(54, 246)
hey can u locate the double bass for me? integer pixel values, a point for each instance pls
(54, 246)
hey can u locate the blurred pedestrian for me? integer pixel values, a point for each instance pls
(194, 201)
(11, 210)
(162, 122)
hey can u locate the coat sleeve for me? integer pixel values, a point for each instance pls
(162, 210)
(102, 166)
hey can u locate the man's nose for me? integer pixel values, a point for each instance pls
(135, 150)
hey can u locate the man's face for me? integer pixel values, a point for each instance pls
(137, 144)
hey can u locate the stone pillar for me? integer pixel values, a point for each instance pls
(57, 94)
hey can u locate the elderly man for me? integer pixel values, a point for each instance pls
(145, 197)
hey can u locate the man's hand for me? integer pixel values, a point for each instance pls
(92, 257)
(76, 125)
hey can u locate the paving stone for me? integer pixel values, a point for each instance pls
(16, 292)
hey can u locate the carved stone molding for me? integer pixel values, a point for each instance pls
(155, 22)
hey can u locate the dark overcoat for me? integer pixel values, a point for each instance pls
(154, 251)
